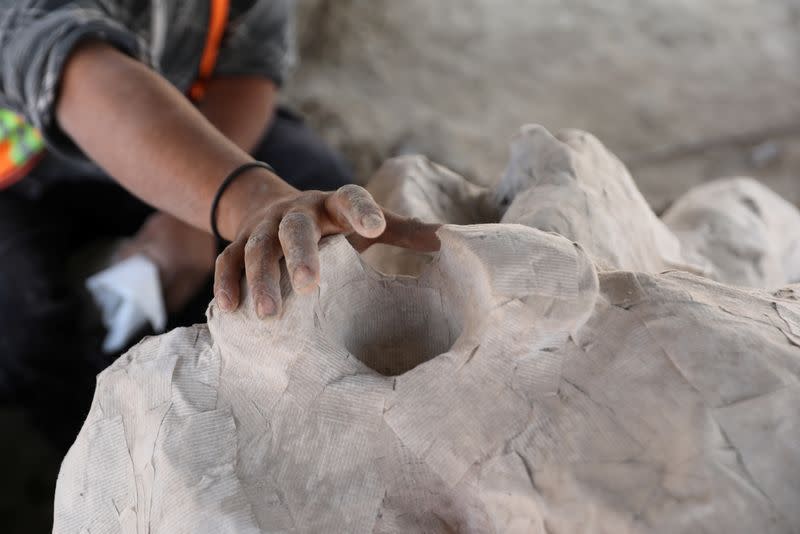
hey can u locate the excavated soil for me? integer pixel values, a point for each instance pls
(683, 91)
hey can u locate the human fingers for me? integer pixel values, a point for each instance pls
(227, 275)
(262, 255)
(352, 206)
(299, 236)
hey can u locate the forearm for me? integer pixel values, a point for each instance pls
(151, 139)
(154, 142)
(240, 108)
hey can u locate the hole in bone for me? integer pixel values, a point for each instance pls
(392, 325)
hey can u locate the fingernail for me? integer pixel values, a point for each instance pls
(224, 300)
(302, 277)
(372, 221)
(265, 308)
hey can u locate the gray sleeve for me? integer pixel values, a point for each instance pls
(259, 42)
(36, 38)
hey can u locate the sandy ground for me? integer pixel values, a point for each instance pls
(683, 91)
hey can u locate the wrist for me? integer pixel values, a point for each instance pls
(252, 190)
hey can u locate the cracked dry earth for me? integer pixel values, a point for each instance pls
(540, 375)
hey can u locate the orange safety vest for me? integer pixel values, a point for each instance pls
(217, 22)
(22, 146)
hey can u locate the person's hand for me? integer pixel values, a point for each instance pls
(183, 254)
(290, 227)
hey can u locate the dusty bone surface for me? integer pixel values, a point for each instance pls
(572, 185)
(522, 383)
(745, 233)
(732, 230)
(510, 388)
(416, 187)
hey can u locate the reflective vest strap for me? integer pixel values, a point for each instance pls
(218, 21)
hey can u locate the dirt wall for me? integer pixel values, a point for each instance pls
(682, 90)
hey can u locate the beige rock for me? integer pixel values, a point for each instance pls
(743, 231)
(521, 383)
(732, 230)
(510, 388)
(572, 185)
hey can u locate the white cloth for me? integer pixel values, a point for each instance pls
(129, 296)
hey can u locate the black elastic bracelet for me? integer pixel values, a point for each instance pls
(235, 173)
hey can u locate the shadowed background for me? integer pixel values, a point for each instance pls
(682, 91)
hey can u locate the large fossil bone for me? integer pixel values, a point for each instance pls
(733, 230)
(572, 185)
(522, 383)
(508, 389)
(744, 233)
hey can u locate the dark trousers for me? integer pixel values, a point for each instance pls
(50, 332)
